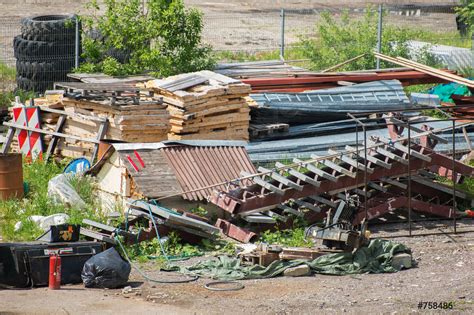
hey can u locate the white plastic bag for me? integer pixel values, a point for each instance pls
(61, 191)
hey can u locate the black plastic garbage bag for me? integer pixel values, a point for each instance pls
(106, 270)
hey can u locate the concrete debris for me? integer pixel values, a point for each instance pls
(298, 271)
(402, 261)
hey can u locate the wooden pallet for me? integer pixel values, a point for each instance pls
(261, 130)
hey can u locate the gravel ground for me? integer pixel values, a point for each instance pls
(444, 274)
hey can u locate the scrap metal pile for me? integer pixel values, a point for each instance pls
(317, 162)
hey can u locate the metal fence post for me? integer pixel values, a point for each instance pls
(282, 34)
(379, 35)
(472, 51)
(76, 45)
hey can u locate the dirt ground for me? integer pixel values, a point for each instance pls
(444, 274)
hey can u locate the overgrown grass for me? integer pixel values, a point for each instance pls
(7, 73)
(36, 202)
(291, 237)
(175, 248)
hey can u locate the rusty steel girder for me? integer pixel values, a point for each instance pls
(252, 198)
(394, 203)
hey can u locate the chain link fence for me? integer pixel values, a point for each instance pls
(240, 35)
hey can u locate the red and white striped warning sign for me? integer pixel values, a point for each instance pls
(29, 141)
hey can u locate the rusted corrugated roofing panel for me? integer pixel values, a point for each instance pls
(171, 168)
(198, 167)
(155, 177)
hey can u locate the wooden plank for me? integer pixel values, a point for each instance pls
(98, 236)
(315, 170)
(8, 140)
(370, 158)
(279, 178)
(377, 187)
(100, 135)
(391, 155)
(287, 209)
(54, 140)
(335, 166)
(99, 225)
(52, 133)
(299, 175)
(259, 218)
(76, 115)
(324, 200)
(404, 149)
(259, 181)
(351, 162)
(307, 205)
(394, 183)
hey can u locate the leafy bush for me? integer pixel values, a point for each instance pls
(338, 40)
(466, 12)
(165, 40)
(292, 237)
(6, 98)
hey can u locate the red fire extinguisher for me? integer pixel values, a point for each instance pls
(54, 272)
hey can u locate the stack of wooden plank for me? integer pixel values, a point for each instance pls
(133, 123)
(132, 114)
(205, 105)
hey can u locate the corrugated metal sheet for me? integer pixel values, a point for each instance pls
(156, 179)
(176, 168)
(329, 105)
(198, 167)
(270, 151)
(455, 58)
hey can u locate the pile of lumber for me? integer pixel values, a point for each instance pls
(132, 115)
(141, 123)
(205, 105)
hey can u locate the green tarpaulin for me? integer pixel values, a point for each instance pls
(445, 91)
(374, 258)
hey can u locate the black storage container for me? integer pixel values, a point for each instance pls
(27, 264)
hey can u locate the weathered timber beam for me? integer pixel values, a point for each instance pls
(370, 158)
(281, 179)
(314, 169)
(335, 166)
(298, 175)
(259, 181)
(350, 161)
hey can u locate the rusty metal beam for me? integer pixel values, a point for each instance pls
(235, 232)
(392, 204)
(233, 202)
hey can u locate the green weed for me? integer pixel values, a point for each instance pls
(36, 202)
(291, 237)
(6, 98)
(7, 73)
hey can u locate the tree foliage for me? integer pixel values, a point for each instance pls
(163, 37)
(340, 39)
(466, 12)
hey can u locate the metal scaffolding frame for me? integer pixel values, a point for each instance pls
(359, 123)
